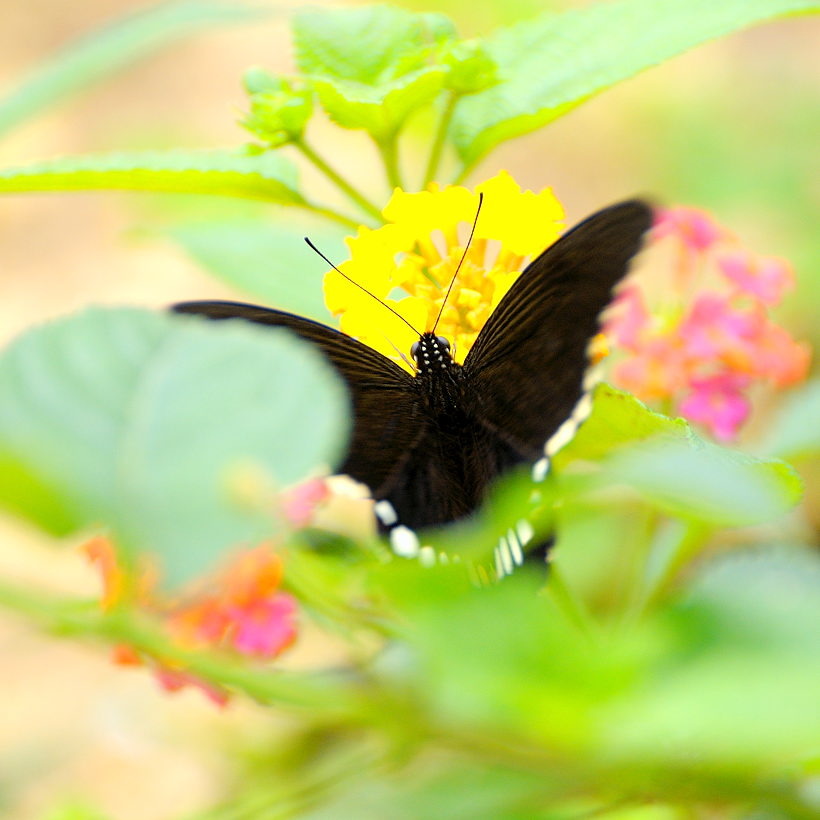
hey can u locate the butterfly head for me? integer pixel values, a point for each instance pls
(431, 353)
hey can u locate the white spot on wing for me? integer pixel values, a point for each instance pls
(561, 437)
(582, 410)
(385, 513)
(566, 432)
(540, 469)
(404, 541)
(499, 567)
(427, 557)
(525, 531)
(592, 377)
(507, 560)
(516, 552)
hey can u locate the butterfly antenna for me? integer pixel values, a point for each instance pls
(361, 287)
(460, 261)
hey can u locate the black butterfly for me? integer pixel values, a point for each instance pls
(431, 444)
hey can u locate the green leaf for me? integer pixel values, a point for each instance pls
(470, 68)
(257, 80)
(370, 45)
(767, 592)
(369, 65)
(267, 176)
(617, 418)
(278, 115)
(672, 467)
(796, 430)
(743, 685)
(269, 261)
(149, 423)
(504, 664)
(380, 110)
(706, 483)
(554, 62)
(110, 49)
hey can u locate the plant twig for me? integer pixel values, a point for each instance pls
(334, 176)
(439, 140)
(389, 150)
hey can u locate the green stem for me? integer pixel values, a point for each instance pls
(389, 149)
(569, 603)
(334, 176)
(438, 142)
(330, 213)
(672, 556)
(84, 619)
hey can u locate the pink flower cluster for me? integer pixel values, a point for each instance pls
(241, 608)
(244, 611)
(713, 338)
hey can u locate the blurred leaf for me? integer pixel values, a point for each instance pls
(268, 176)
(764, 596)
(600, 550)
(150, 423)
(743, 687)
(699, 481)
(280, 109)
(796, 429)
(672, 467)
(554, 62)
(370, 45)
(470, 68)
(109, 49)
(617, 418)
(380, 110)
(503, 656)
(444, 787)
(75, 810)
(368, 65)
(728, 677)
(269, 261)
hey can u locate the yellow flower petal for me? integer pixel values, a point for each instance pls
(419, 250)
(432, 210)
(525, 222)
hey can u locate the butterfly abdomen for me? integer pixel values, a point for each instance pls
(448, 474)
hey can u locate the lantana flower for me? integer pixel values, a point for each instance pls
(409, 262)
(711, 340)
(240, 608)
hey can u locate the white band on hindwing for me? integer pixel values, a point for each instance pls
(509, 553)
(569, 427)
(386, 513)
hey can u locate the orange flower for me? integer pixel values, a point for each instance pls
(244, 611)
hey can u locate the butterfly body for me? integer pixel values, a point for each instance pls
(448, 472)
(431, 443)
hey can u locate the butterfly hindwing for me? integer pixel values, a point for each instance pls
(526, 368)
(387, 422)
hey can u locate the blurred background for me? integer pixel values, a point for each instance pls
(733, 127)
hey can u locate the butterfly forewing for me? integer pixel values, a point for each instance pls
(431, 445)
(526, 369)
(386, 418)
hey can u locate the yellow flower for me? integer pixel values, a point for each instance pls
(418, 251)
